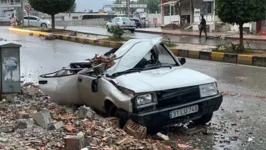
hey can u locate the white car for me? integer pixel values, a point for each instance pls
(147, 84)
(36, 21)
(123, 22)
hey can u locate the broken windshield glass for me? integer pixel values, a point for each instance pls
(141, 55)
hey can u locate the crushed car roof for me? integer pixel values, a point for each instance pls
(131, 53)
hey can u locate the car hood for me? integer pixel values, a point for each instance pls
(162, 79)
(128, 55)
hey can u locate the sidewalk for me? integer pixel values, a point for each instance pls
(224, 35)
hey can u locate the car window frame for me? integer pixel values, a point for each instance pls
(33, 18)
(167, 50)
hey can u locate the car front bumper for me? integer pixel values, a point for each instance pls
(159, 118)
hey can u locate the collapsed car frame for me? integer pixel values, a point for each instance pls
(145, 83)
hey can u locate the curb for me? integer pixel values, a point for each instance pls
(196, 35)
(203, 55)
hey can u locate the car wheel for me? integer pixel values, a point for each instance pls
(113, 111)
(132, 31)
(43, 25)
(204, 119)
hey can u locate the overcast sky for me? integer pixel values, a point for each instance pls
(95, 5)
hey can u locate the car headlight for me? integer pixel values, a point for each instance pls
(208, 90)
(145, 100)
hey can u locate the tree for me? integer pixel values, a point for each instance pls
(72, 8)
(51, 7)
(240, 12)
(152, 5)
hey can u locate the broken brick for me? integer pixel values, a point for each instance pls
(74, 142)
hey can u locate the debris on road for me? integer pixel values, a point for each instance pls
(162, 136)
(33, 122)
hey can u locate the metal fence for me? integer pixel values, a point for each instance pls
(91, 22)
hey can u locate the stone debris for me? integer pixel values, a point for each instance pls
(57, 125)
(50, 36)
(31, 121)
(162, 136)
(25, 123)
(42, 118)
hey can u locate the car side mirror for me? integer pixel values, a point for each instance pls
(94, 85)
(182, 60)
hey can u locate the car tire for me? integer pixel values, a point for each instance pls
(204, 119)
(43, 25)
(113, 111)
(132, 31)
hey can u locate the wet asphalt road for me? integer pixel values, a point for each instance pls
(242, 115)
(178, 39)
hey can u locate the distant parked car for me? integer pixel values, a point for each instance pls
(124, 22)
(137, 22)
(36, 21)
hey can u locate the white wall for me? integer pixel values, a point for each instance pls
(235, 28)
(91, 22)
(151, 16)
(168, 19)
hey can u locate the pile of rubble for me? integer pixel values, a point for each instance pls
(31, 121)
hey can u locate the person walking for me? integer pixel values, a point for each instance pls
(202, 26)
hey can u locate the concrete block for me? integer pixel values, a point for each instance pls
(7, 128)
(57, 125)
(259, 61)
(42, 118)
(25, 123)
(86, 112)
(193, 54)
(183, 53)
(245, 59)
(205, 55)
(217, 56)
(231, 58)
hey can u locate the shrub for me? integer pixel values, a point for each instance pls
(117, 32)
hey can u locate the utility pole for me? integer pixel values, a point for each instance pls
(128, 8)
(22, 12)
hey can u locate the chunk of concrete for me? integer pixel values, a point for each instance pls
(162, 136)
(86, 112)
(73, 142)
(50, 37)
(57, 125)
(42, 118)
(7, 128)
(25, 123)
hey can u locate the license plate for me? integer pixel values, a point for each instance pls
(184, 111)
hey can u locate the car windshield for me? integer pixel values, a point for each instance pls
(140, 56)
(125, 19)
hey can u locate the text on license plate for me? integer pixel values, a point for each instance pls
(184, 111)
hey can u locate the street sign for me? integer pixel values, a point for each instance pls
(131, 6)
(155, 21)
(28, 9)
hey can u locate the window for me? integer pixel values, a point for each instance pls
(209, 6)
(25, 17)
(125, 20)
(117, 19)
(33, 18)
(164, 56)
(75, 17)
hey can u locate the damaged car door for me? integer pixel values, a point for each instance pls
(88, 84)
(61, 86)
